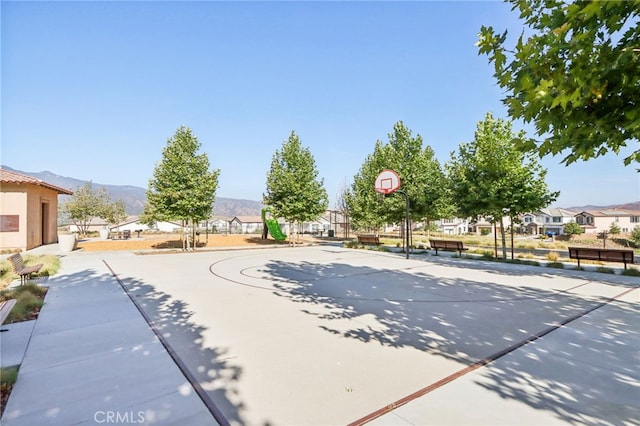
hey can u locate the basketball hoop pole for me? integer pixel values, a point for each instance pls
(406, 219)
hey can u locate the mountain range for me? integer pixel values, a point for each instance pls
(134, 197)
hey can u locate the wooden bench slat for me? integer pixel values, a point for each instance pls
(24, 272)
(5, 309)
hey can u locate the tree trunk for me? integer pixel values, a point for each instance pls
(511, 218)
(503, 238)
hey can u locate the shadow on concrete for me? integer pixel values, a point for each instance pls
(209, 366)
(468, 321)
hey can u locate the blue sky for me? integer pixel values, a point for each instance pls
(92, 90)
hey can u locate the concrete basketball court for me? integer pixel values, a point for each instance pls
(326, 335)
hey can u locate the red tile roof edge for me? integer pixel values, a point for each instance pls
(7, 176)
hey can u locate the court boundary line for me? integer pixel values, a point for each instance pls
(476, 365)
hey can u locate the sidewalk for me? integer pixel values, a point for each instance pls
(92, 358)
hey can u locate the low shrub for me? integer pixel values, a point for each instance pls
(605, 270)
(351, 244)
(553, 256)
(557, 265)
(631, 272)
(29, 301)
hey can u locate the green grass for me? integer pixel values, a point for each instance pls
(29, 300)
(631, 272)
(8, 375)
(51, 265)
(8, 378)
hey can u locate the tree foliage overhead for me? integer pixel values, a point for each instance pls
(293, 188)
(182, 188)
(575, 74)
(421, 178)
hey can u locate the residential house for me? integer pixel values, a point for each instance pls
(131, 223)
(28, 211)
(597, 221)
(95, 225)
(484, 226)
(453, 226)
(218, 224)
(246, 225)
(546, 221)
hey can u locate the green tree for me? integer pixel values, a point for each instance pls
(635, 236)
(85, 204)
(365, 205)
(490, 178)
(571, 229)
(114, 212)
(421, 178)
(614, 229)
(575, 74)
(182, 188)
(293, 188)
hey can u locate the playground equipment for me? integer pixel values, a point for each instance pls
(272, 225)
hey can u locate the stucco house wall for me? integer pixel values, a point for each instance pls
(28, 211)
(13, 203)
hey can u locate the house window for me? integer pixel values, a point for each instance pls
(546, 219)
(579, 220)
(617, 219)
(635, 219)
(557, 219)
(527, 219)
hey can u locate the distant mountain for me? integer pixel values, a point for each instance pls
(134, 197)
(635, 206)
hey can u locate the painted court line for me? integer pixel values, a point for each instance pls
(392, 406)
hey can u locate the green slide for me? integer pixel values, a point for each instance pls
(272, 225)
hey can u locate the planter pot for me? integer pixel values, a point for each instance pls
(67, 242)
(104, 234)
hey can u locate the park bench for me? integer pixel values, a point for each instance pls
(451, 245)
(369, 239)
(5, 309)
(121, 235)
(601, 254)
(17, 262)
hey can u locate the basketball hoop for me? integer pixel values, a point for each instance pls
(387, 182)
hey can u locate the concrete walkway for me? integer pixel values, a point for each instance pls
(326, 335)
(92, 358)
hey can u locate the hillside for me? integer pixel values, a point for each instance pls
(134, 197)
(627, 206)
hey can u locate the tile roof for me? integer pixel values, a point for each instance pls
(7, 176)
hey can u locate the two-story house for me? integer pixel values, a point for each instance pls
(596, 221)
(546, 221)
